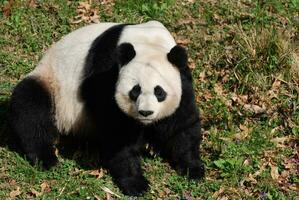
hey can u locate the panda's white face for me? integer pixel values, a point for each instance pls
(148, 91)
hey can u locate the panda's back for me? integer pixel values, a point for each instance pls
(62, 68)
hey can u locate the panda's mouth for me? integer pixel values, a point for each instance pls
(145, 120)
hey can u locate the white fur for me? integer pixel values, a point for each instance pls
(61, 67)
(65, 61)
(152, 71)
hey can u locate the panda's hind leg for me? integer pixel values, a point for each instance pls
(31, 120)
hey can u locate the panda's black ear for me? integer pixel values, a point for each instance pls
(178, 57)
(125, 53)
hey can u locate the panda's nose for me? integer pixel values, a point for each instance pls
(145, 113)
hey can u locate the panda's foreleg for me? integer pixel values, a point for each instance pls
(126, 171)
(30, 118)
(182, 152)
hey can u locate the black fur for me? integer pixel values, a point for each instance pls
(120, 138)
(126, 53)
(178, 57)
(30, 117)
(177, 137)
(119, 143)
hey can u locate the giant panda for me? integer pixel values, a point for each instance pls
(124, 85)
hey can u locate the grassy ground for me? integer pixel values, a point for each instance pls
(245, 61)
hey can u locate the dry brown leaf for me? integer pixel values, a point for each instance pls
(183, 41)
(108, 191)
(167, 191)
(279, 141)
(7, 8)
(85, 13)
(274, 171)
(246, 162)
(35, 193)
(186, 21)
(202, 76)
(251, 178)
(108, 196)
(103, 2)
(98, 173)
(240, 99)
(32, 4)
(223, 198)
(254, 108)
(45, 187)
(218, 89)
(285, 174)
(276, 85)
(276, 129)
(218, 193)
(161, 194)
(294, 187)
(289, 163)
(97, 197)
(191, 63)
(207, 95)
(262, 168)
(15, 193)
(244, 132)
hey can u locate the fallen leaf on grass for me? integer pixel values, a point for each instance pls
(186, 21)
(36, 193)
(45, 188)
(191, 63)
(274, 171)
(218, 89)
(218, 193)
(85, 13)
(98, 173)
(223, 198)
(247, 162)
(202, 76)
(245, 131)
(183, 41)
(252, 177)
(15, 193)
(7, 8)
(240, 99)
(255, 108)
(97, 197)
(32, 4)
(107, 190)
(280, 141)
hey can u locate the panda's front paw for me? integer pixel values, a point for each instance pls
(134, 186)
(195, 170)
(50, 162)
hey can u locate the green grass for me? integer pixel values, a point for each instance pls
(244, 56)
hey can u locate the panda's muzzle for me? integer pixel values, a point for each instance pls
(145, 113)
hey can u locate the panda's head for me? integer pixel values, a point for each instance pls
(149, 86)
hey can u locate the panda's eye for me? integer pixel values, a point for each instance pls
(135, 92)
(160, 93)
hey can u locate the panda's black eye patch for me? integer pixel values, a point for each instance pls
(135, 92)
(160, 93)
